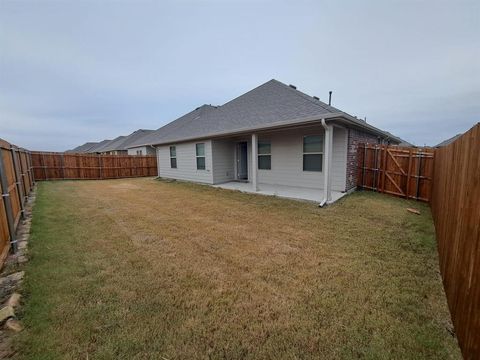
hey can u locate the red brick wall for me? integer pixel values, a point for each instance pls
(356, 137)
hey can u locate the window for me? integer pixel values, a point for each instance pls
(173, 157)
(312, 153)
(139, 152)
(200, 150)
(264, 155)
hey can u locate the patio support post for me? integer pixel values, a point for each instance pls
(254, 162)
(327, 171)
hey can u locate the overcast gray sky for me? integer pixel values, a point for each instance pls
(77, 71)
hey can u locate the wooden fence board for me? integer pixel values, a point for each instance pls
(456, 212)
(17, 173)
(54, 166)
(21, 168)
(405, 172)
(448, 177)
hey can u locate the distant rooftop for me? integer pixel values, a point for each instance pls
(448, 141)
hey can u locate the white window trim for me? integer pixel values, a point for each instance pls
(313, 153)
(269, 154)
(173, 157)
(200, 156)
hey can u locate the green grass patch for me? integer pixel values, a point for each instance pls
(144, 269)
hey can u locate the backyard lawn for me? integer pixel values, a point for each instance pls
(150, 269)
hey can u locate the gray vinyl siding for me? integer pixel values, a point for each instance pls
(287, 160)
(186, 163)
(146, 150)
(223, 161)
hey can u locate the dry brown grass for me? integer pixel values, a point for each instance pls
(149, 269)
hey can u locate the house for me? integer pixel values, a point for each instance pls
(273, 139)
(448, 141)
(88, 147)
(82, 148)
(119, 145)
(111, 147)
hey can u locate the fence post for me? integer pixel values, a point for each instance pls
(30, 171)
(17, 181)
(62, 161)
(44, 166)
(375, 170)
(22, 174)
(409, 172)
(100, 169)
(7, 204)
(385, 156)
(363, 164)
(419, 171)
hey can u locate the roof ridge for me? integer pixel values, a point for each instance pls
(201, 111)
(255, 88)
(305, 96)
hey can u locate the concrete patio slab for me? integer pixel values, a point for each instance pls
(289, 192)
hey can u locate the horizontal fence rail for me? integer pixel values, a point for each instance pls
(456, 213)
(16, 183)
(56, 166)
(400, 171)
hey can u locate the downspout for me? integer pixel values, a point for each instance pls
(327, 162)
(156, 158)
(154, 148)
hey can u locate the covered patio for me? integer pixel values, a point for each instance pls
(274, 162)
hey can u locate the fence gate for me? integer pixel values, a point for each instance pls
(400, 171)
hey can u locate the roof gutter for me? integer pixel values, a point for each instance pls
(280, 124)
(271, 126)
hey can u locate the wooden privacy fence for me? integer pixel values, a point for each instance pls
(400, 171)
(16, 182)
(456, 212)
(55, 166)
(19, 168)
(449, 178)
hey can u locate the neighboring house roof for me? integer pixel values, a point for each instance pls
(98, 146)
(448, 141)
(173, 126)
(110, 145)
(82, 148)
(134, 137)
(123, 142)
(402, 143)
(268, 105)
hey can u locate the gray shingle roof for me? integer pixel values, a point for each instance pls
(266, 105)
(172, 127)
(123, 142)
(99, 145)
(133, 137)
(448, 141)
(82, 148)
(110, 145)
